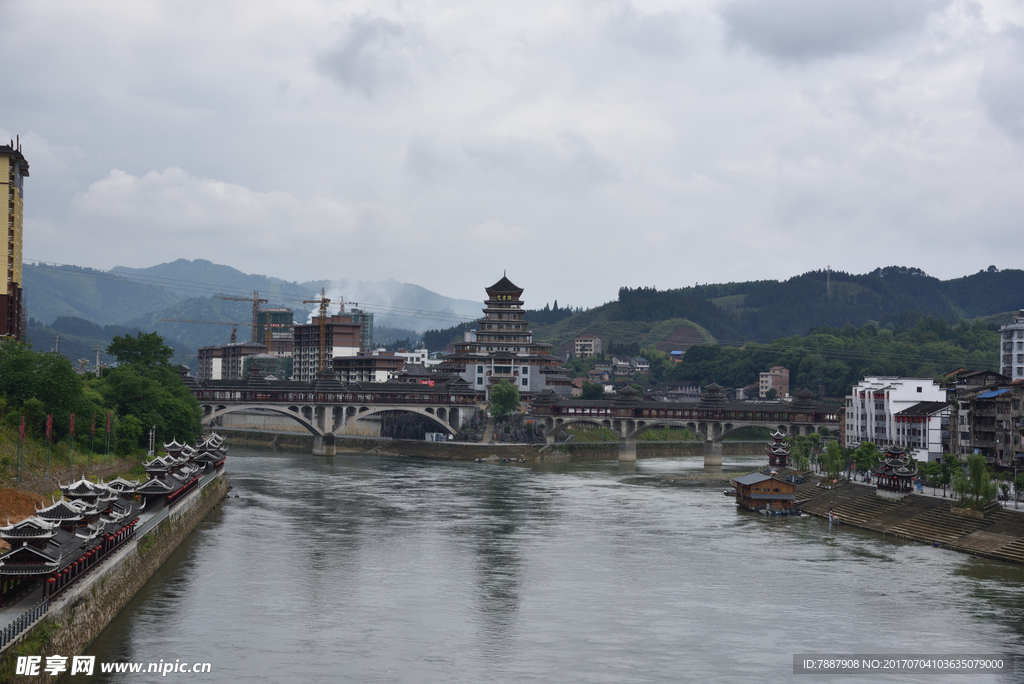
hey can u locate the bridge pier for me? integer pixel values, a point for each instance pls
(323, 446)
(627, 450)
(712, 456)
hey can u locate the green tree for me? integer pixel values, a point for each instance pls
(145, 350)
(592, 391)
(771, 394)
(980, 486)
(866, 456)
(128, 435)
(504, 398)
(832, 459)
(1018, 486)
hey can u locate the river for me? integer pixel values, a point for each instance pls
(370, 569)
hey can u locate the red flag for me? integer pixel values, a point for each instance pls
(49, 425)
(72, 424)
(21, 432)
(108, 421)
(92, 428)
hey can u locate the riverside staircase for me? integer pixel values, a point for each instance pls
(999, 535)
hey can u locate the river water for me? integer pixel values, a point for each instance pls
(371, 569)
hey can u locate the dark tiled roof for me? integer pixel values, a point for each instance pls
(504, 285)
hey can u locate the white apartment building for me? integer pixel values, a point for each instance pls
(1012, 348)
(872, 408)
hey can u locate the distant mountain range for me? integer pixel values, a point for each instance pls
(731, 313)
(137, 298)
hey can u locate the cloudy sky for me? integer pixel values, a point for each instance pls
(579, 145)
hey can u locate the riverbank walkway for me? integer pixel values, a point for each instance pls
(34, 598)
(919, 517)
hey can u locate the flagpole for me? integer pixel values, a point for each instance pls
(49, 438)
(71, 440)
(21, 450)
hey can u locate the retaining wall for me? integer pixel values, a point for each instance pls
(81, 613)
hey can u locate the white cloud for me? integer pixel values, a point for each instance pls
(433, 142)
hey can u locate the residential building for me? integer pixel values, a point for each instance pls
(965, 387)
(376, 367)
(640, 365)
(994, 419)
(503, 348)
(225, 362)
(621, 365)
(12, 180)
(1012, 348)
(275, 329)
(587, 346)
(872, 407)
(344, 336)
(776, 378)
(923, 429)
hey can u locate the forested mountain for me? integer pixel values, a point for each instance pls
(766, 310)
(199, 277)
(78, 338)
(98, 296)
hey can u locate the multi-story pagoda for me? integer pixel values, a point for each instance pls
(894, 476)
(503, 349)
(778, 451)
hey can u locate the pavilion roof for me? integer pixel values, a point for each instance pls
(504, 285)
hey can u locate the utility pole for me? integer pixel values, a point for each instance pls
(323, 302)
(82, 362)
(98, 348)
(152, 441)
(56, 343)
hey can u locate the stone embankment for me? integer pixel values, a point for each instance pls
(999, 534)
(78, 616)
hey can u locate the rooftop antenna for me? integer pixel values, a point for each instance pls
(828, 281)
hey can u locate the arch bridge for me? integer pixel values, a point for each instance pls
(327, 409)
(711, 419)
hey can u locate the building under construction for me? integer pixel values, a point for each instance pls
(343, 336)
(225, 362)
(14, 172)
(274, 329)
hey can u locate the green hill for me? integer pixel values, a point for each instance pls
(98, 296)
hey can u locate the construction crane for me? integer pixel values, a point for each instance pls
(256, 301)
(234, 326)
(323, 302)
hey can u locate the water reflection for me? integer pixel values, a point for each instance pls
(366, 569)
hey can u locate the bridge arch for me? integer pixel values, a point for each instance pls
(212, 412)
(365, 412)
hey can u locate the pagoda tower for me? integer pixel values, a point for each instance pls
(503, 348)
(778, 451)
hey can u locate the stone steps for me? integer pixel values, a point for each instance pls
(939, 525)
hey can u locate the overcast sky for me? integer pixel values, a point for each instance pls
(579, 145)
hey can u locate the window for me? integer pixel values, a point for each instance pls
(526, 381)
(479, 381)
(920, 389)
(479, 369)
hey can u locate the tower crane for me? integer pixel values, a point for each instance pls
(256, 301)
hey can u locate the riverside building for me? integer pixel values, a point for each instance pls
(1012, 348)
(503, 349)
(12, 185)
(876, 401)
